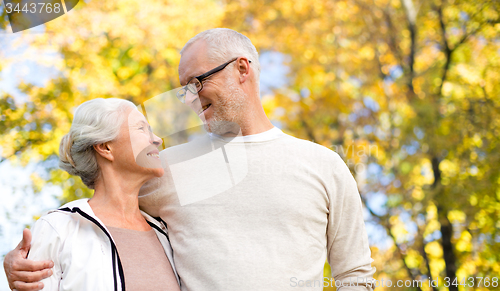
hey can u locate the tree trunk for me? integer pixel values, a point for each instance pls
(448, 251)
(446, 227)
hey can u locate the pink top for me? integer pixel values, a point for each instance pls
(145, 265)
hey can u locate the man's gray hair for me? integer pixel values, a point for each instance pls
(95, 122)
(225, 44)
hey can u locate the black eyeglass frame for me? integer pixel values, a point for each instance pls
(201, 78)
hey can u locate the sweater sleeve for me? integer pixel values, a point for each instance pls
(349, 253)
(46, 245)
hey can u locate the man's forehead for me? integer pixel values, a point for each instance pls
(193, 61)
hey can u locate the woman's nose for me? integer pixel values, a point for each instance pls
(155, 139)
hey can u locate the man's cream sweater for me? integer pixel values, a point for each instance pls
(260, 212)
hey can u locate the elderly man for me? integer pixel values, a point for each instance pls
(297, 205)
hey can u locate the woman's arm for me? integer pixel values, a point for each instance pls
(46, 245)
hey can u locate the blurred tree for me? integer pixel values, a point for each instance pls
(126, 49)
(418, 80)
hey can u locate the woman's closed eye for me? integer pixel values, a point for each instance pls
(144, 129)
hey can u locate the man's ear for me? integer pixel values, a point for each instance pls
(104, 151)
(244, 68)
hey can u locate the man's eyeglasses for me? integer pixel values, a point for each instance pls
(195, 84)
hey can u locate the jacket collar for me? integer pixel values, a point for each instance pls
(83, 205)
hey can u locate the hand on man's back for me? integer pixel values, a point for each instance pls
(24, 274)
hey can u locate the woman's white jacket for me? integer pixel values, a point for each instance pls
(82, 249)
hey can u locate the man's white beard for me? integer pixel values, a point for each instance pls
(229, 112)
(221, 127)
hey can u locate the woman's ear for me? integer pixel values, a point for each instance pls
(104, 151)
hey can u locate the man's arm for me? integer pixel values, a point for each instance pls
(348, 250)
(24, 274)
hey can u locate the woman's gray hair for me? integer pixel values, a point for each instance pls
(225, 44)
(95, 122)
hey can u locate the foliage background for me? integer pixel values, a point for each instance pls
(406, 91)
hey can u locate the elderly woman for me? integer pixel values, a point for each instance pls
(107, 243)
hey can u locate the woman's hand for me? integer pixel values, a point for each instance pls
(24, 274)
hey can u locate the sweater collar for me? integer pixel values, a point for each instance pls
(268, 135)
